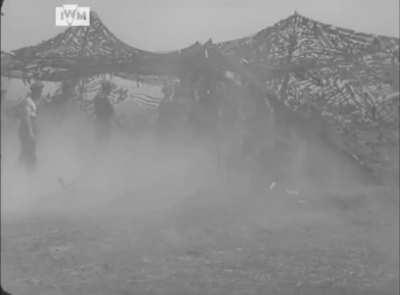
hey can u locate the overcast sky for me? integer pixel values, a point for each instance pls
(171, 24)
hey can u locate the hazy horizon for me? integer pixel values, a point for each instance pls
(158, 25)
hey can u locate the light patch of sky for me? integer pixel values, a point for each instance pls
(171, 24)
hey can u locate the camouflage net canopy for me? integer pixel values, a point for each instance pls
(350, 78)
(79, 52)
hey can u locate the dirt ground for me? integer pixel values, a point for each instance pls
(138, 221)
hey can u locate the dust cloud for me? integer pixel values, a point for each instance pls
(150, 205)
(75, 173)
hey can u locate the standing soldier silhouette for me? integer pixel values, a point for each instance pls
(60, 101)
(104, 112)
(27, 132)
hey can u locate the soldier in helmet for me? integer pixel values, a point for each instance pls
(27, 132)
(104, 112)
(66, 94)
(58, 104)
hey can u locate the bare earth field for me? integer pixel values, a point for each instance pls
(133, 220)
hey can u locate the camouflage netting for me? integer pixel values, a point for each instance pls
(350, 77)
(78, 51)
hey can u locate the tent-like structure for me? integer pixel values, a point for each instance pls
(92, 50)
(349, 78)
(80, 51)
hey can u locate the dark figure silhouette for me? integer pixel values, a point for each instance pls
(104, 112)
(27, 131)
